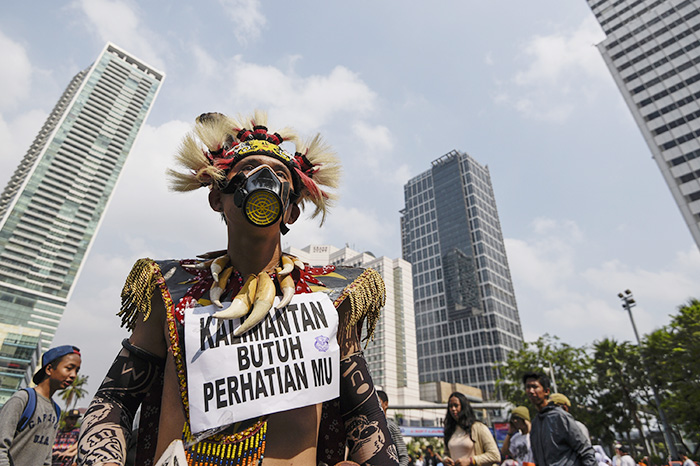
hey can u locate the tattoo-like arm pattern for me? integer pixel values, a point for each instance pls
(366, 429)
(107, 425)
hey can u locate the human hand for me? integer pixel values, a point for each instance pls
(464, 462)
(447, 461)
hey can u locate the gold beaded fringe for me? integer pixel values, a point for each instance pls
(138, 290)
(367, 297)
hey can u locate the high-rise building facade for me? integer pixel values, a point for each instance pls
(466, 315)
(652, 49)
(53, 204)
(392, 355)
(20, 353)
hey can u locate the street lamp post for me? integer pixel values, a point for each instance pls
(628, 303)
(549, 370)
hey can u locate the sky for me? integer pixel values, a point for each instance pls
(392, 86)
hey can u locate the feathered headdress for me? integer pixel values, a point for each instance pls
(217, 142)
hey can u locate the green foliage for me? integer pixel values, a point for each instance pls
(571, 367)
(76, 391)
(609, 385)
(620, 386)
(417, 445)
(672, 354)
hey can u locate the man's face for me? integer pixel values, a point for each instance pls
(64, 372)
(536, 392)
(233, 213)
(385, 405)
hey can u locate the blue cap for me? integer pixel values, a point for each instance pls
(50, 356)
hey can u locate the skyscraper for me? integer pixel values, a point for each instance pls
(52, 206)
(466, 315)
(20, 352)
(392, 355)
(652, 49)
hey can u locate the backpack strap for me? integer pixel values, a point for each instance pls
(29, 409)
(58, 410)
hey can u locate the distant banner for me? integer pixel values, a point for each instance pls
(408, 431)
(289, 360)
(499, 431)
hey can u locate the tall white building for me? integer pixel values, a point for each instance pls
(52, 206)
(20, 353)
(466, 315)
(652, 49)
(392, 355)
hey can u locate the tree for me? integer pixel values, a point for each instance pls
(620, 386)
(571, 367)
(672, 354)
(73, 393)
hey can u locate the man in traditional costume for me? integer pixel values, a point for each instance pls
(258, 188)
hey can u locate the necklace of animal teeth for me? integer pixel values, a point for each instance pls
(257, 294)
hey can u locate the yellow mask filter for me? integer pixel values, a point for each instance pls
(261, 195)
(263, 207)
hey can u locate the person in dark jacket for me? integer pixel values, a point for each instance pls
(555, 438)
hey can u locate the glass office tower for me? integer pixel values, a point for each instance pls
(53, 204)
(466, 315)
(652, 49)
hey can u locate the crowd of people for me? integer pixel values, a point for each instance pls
(551, 438)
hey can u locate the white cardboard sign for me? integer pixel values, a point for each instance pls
(289, 360)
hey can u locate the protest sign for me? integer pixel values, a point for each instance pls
(174, 455)
(289, 360)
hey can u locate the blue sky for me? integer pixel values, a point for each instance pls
(392, 86)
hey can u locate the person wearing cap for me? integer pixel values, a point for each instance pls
(27, 441)
(562, 401)
(555, 438)
(516, 446)
(258, 188)
(66, 445)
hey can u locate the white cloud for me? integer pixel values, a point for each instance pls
(675, 282)
(561, 68)
(363, 229)
(557, 57)
(205, 64)
(376, 141)
(248, 20)
(15, 72)
(558, 293)
(307, 101)
(118, 22)
(15, 137)
(144, 207)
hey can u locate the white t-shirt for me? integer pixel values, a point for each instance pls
(626, 460)
(520, 449)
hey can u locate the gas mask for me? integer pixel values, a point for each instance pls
(261, 195)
